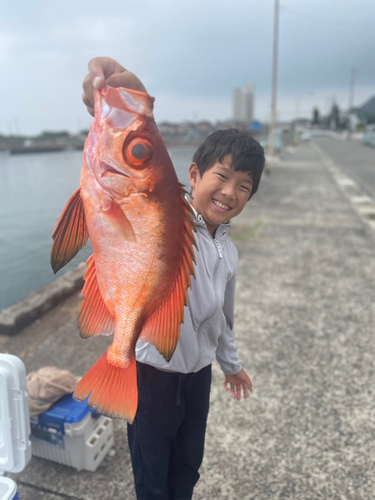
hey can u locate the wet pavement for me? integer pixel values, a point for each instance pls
(304, 329)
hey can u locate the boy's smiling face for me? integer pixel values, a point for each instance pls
(221, 193)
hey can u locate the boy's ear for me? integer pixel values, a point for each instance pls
(193, 174)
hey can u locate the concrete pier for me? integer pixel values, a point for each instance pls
(304, 327)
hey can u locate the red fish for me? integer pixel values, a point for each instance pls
(132, 207)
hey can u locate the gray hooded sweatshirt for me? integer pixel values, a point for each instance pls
(207, 331)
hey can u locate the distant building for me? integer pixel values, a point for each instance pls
(243, 103)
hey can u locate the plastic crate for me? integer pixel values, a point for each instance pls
(71, 433)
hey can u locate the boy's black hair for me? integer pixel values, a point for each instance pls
(247, 154)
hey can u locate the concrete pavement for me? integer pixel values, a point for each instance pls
(304, 329)
(356, 159)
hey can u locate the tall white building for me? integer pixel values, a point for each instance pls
(243, 103)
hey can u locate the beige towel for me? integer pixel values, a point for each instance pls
(48, 385)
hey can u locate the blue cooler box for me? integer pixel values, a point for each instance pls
(73, 434)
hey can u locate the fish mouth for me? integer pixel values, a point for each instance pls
(109, 170)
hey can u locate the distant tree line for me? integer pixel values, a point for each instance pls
(335, 119)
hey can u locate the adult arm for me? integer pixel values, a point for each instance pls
(107, 71)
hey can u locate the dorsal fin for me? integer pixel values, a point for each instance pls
(70, 233)
(94, 317)
(162, 329)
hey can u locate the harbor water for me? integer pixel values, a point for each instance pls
(33, 191)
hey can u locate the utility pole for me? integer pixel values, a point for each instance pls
(271, 136)
(351, 93)
(351, 97)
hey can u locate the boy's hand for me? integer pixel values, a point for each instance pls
(107, 71)
(237, 381)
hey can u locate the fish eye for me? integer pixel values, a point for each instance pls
(138, 152)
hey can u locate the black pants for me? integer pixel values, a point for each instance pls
(166, 439)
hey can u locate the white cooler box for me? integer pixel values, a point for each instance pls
(15, 446)
(73, 434)
(8, 489)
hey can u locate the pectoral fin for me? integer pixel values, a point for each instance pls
(70, 233)
(94, 317)
(117, 220)
(162, 329)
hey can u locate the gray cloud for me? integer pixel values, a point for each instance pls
(190, 54)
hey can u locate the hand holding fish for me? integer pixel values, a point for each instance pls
(107, 71)
(236, 382)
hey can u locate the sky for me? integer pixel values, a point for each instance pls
(189, 54)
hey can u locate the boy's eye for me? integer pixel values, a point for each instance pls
(221, 175)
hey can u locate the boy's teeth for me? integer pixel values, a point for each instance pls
(220, 205)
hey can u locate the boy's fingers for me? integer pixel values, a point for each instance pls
(104, 67)
(91, 110)
(99, 69)
(126, 79)
(238, 392)
(248, 383)
(88, 89)
(104, 70)
(233, 390)
(239, 388)
(98, 81)
(85, 100)
(245, 391)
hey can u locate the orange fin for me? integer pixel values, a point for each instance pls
(113, 390)
(94, 317)
(70, 233)
(117, 220)
(162, 329)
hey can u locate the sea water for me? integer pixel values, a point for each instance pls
(34, 189)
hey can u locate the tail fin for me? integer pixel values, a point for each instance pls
(113, 390)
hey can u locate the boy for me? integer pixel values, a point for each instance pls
(166, 439)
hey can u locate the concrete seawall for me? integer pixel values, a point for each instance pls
(21, 314)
